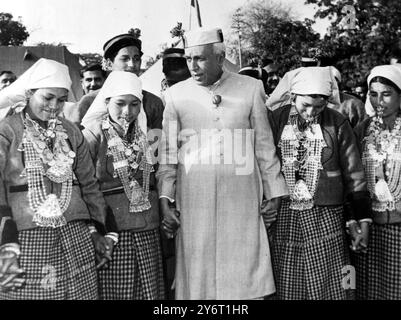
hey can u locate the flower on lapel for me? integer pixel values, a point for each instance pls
(216, 100)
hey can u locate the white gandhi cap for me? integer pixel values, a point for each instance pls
(203, 36)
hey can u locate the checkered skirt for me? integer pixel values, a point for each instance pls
(378, 271)
(136, 270)
(59, 264)
(309, 251)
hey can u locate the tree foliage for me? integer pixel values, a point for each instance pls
(373, 41)
(91, 58)
(12, 33)
(176, 33)
(52, 44)
(268, 31)
(136, 32)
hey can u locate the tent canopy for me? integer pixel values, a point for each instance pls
(19, 59)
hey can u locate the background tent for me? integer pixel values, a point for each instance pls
(19, 59)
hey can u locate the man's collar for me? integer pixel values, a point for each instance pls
(223, 77)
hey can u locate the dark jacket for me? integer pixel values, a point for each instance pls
(86, 203)
(113, 190)
(360, 132)
(342, 176)
(351, 108)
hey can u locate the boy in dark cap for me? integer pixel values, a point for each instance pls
(124, 53)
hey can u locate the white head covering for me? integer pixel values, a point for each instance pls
(313, 80)
(391, 72)
(203, 36)
(305, 81)
(117, 83)
(44, 73)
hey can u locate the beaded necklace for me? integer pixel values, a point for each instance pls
(129, 155)
(381, 159)
(47, 153)
(301, 154)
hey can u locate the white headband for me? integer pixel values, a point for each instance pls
(45, 73)
(117, 83)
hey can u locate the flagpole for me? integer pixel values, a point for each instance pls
(194, 5)
(239, 48)
(198, 13)
(190, 15)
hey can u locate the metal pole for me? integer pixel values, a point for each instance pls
(190, 16)
(237, 25)
(239, 46)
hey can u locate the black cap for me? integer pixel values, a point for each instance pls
(175, 65)
(173, 53)
(112, 46)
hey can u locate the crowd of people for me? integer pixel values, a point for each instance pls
(228, 186)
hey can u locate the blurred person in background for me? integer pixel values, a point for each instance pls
(6, 78)
(175, 67)
(92, 78)
(350, 107)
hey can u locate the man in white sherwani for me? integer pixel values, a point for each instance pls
(218, 160)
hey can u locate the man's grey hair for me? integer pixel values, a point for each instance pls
(219, 48)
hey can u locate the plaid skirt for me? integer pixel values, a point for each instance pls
(136, 270)
(378, 271)
(59, 264)
(309, 252)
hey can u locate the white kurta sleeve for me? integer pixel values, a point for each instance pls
(168, 151)
(265, 151)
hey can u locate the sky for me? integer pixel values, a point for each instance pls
(84, 25)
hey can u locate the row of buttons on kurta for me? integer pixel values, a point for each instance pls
(216, 119)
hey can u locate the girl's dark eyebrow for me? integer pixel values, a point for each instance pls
(381, 91)
(51, 95)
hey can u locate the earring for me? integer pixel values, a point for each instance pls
(292, 98)
(28, 95)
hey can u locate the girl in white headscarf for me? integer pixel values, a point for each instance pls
(48, 193)
(116, 131)
(379, 269)
(281, 95)
(322, 168)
